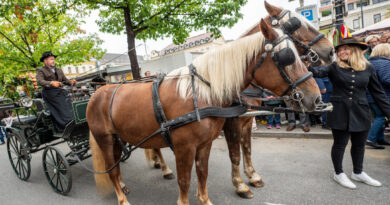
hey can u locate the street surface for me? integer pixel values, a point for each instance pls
(295, 171)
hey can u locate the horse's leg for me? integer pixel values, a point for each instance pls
(232, 131)
(156, 159)
(185, 157)
(151, 155)
(167, 173)
(202, 169)
(117, 156)
(254, 178)
(112, 153)
(105, 153)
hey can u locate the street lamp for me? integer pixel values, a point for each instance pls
(361, 12)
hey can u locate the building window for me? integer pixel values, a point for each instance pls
(377, 18)
(378, 1)
(356, 23)
(325, 3)
(351, 6)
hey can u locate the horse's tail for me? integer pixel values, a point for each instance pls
(149, 155)
(103, 181)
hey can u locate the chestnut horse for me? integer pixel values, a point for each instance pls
(229, 68)
(238, 130)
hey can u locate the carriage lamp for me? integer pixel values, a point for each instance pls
(26, 101)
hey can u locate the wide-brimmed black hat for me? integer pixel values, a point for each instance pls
(353, 42)
(46, 55)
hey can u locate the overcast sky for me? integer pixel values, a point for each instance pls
(253, 11)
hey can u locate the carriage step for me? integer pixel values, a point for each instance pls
(57, 134)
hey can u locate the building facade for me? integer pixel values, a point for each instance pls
(374, 11)
(175, 56)
(116, 66)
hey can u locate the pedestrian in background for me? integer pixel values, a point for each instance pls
(303, 120)
(385, 38)
(274, 119)
(351, 75)
(380, 60)
(371, 41)
(3, 133)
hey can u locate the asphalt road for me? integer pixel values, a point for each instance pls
(296, 171)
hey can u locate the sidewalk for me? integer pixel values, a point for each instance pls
(315, 132)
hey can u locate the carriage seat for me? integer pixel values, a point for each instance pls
(25, 120)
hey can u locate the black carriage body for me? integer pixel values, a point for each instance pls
(35, 132)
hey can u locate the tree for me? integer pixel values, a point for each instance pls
(30, 27)
(387, 14)
(153, 19)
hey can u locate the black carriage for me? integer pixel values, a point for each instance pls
(33, 130)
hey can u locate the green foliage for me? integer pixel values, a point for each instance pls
(326, 13)
(30, 27)
(154, 19)
(164, 18)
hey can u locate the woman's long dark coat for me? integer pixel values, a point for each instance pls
(350, 105)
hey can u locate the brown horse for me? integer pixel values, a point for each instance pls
(229, 69)
(238, 130)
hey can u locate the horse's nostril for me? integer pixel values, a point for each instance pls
(331, 53)
(318, 100)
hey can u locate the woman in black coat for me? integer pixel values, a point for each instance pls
(351, 75)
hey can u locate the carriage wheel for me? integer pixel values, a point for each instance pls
(19, 157)
(57, 170)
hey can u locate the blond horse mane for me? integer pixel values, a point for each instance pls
(224, 67)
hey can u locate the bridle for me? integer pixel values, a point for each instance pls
(286, 56)
(289, 27)
(282, 58)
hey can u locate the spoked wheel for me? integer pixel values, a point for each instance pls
(57, 170)
(19, 156)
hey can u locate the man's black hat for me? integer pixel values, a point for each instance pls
(46, 55)
(353, 42)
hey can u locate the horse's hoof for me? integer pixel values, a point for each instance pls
(245, 195)
(157, 166)
(257, 184)
(126, 190)
(169, 176)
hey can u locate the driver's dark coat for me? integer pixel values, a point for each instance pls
(350, 105)
(45, 75)
(55, 98)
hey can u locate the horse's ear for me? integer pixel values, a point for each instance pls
(272, 10)
(268, 32)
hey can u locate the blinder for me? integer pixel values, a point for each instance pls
(291, 25)
(284, 57)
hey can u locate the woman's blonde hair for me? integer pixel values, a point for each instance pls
(356, 60)
(381, 50)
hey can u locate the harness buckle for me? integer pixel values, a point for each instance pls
(313, 56)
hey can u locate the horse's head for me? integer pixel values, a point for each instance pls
(306, 37)
(280, 69)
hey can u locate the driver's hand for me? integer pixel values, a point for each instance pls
(56, 84)
(73, 82)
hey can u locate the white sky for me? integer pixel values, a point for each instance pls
(252, 12)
